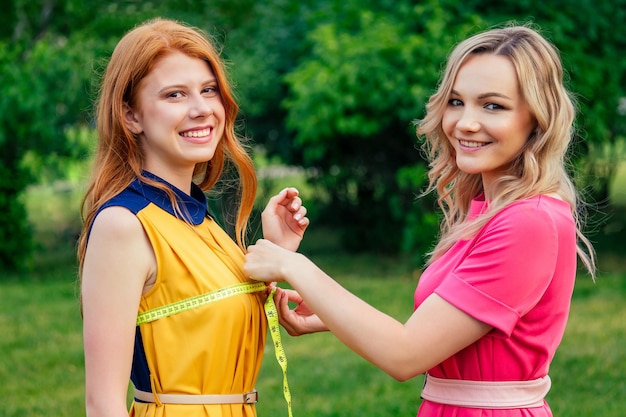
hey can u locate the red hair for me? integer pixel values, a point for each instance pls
(118, 159)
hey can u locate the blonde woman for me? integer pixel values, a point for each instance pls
(165, 299)
(492, 305)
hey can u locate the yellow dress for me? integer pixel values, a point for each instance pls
(212, 349)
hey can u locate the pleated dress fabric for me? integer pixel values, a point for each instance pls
(212, 349)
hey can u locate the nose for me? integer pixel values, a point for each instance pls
(468, 122)
(200, 106)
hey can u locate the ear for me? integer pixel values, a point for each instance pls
(130, 120)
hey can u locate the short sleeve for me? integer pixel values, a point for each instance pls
(507, 269)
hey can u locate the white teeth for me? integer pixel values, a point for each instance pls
(196, 133)
(471, 144)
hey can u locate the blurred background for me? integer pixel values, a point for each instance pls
(329, 92)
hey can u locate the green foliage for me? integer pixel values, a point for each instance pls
(44, 91)
(262, 50)
(35, 108)
(592, 51)
(49, 57)
(351, 104)
(16, 242)
(421, 221)
(365, 71)
(329, 84)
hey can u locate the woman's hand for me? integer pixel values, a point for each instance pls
(268, 262)
(299, 321)
(284, 219)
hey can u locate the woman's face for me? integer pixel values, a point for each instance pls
(487, 120)
(179, 115)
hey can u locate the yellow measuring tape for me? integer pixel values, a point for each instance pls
(222, 293)
(272, 322)
(199, 301)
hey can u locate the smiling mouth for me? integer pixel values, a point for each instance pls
(196, 133)
(472, 144)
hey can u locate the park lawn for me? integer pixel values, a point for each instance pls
(41, 356)
(41, 362)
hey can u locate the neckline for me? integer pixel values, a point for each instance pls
(192, 207)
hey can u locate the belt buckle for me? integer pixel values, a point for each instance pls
(251, 397)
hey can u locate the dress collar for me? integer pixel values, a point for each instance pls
(193, 207)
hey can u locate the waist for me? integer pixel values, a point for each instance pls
(158, 398)
(486, 394)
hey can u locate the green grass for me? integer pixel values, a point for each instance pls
(41, 359)
(588, 370)
(326, 378)
(41, 356)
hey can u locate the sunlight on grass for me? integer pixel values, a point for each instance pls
(618, 188)
(328, 379)
(41, 357)
(41, 362)
(41, 349)
(588, 369)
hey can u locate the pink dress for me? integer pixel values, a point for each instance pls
(517, 275)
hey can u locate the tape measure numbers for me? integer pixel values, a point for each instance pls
(242, 288)
(272, 322)
(199, 301)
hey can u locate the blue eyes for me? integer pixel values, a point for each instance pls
(493, 106)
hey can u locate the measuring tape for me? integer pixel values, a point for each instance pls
(272, 322)
(199, 301)
(222, 293)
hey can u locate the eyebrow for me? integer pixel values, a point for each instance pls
(486, 95)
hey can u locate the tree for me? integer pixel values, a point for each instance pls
(365, 72)
(592, 49)
(351, 105)
(43, 89)
(49, 54)
(333, 85)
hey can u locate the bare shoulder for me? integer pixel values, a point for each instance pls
(119, 246)
(116, 222)
(118, 232)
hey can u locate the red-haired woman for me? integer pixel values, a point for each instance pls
(164, 295)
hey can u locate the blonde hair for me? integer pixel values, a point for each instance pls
(118, 159)
(541, 166)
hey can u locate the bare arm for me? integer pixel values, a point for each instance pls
(118, 262)
(434, 332)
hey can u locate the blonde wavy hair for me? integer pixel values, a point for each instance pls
(540, 168)
(118, 158)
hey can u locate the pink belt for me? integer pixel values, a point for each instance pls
(486, 394)
(149, 397)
